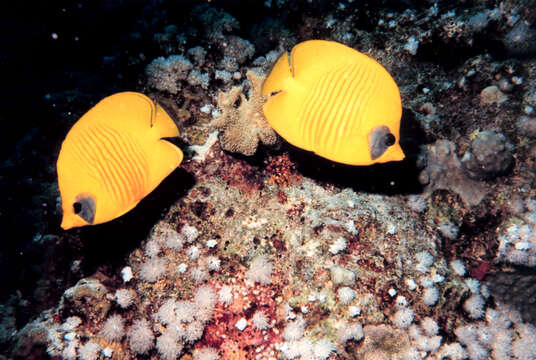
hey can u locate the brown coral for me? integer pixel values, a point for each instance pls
(244, 126)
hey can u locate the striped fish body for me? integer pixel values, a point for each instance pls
(113, 157)
(335, 101)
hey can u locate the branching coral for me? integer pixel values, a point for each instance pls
(244, 126)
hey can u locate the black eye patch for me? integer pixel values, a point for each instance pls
(85, 207)
(389, 139)
(380, 138)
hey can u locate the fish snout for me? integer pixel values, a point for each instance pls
(67, 222)
(71, 220)
(394, 153)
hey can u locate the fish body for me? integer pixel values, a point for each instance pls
(336, 102)
(113, 157)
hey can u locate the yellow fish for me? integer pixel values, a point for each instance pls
(113, 157)
(335, 101)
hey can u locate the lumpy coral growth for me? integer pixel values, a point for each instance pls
(243, 126)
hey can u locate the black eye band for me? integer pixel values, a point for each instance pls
(389, 139)
(380, 139)
(77, 207)
(84, 205)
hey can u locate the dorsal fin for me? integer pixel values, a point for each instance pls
(319, 56)
(163, 124)
(133, 112)
(275, 81)
(125, 111)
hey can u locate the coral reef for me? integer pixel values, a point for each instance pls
(164, 73)
(244, 126)
(443, 170)
(247, 254)
(384, 342)
(520, 40)
(490, 156)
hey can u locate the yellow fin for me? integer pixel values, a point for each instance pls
(164, 156)
(163, 159)
(163, 124)
(124, 111)
(315, 57)
(115, 155)
(327, 98)
(280, 110)
(275, 81)
(133, 112)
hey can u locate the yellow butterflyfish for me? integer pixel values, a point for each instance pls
(113, 157)
(336, 102)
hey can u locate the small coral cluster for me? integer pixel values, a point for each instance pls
(164, 74)
(174, 323)
(501, 336)
(192, 66)
(244, 126)
(517, 243)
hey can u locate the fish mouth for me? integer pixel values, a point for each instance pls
(67, 222)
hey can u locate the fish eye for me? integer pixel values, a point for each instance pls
(380, 139)
(85, 206)
(389, 139)
(77, 207)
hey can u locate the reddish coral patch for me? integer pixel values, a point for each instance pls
(222, 333)
(281, 169)
(480, 271)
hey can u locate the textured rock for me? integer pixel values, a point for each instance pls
(521, 40)
(385, 342)
(88, 297)
(309, 225)
(516, 289)
(31, 337)
(490, 156)
(527, 126)
(444, 170)
(492, 95)
(529, 97)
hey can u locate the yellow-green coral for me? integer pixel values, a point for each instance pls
(244, 126)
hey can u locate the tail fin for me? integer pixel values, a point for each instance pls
(280, 72)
